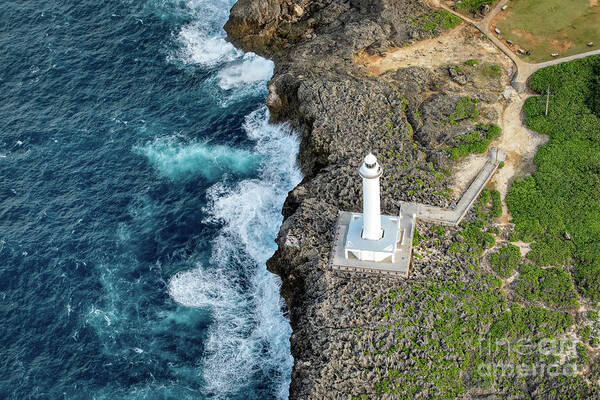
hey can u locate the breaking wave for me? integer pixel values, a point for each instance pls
(177, 160)
(249, 335)
(251, 70)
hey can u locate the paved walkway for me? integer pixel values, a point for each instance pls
(454, 216)
(523, 70)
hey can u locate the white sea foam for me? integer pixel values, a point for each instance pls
(249, 334)
(201, 48)
(202, 41)
(176, 159)
(248, 338)
(200, 44)
(251, 70)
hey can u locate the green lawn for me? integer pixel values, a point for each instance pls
(551, 26)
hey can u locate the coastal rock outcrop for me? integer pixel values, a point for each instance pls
(402, 116)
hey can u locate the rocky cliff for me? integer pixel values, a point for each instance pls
(363, 335)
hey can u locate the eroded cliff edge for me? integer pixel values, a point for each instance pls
(409, 116)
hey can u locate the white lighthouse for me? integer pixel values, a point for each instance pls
(371, 236)
(370, 171)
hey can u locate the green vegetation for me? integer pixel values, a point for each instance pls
(585, 333)
(485, 197)
(476, 141)
(563, 195)
(438, 230)
(505, 260)
(593, 100)
(496, 204)
(457, 312)
(441, 19)
(466, 108)
(490, 70)
(551, 285)
(465, 323)
(473, 6)
(450, 331)
(475, 240)
(472, 62)
(551, 26)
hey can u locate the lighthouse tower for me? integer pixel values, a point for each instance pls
(370, 171)
(371, 236)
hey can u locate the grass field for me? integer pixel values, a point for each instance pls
(551, 26)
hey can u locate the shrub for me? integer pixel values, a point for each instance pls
(439, 230)
(529, 321)
(551, 285)
(484, 197)
(490, 70)
(466, 108)
(437, 19)
(473, 6)
(472, 62)
(476, 141)
(562, 195)
(505, 260)
(496, 204)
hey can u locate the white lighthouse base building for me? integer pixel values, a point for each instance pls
(372, 250)
(375, 243)
(388, 256)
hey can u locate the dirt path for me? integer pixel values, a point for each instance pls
(519, 143)
(453, 47)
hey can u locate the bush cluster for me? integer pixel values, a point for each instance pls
(441, 19)
(466, 108)
(496, 204)
(505, 260)
(473, 6)
(551, 285)
(477, 141)
(558, 207)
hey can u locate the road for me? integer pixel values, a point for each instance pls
(523, 70)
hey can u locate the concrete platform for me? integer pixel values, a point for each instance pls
(372, 250)
(401, 262)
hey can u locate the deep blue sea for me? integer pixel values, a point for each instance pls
(140, 194)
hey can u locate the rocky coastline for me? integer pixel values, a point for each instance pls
(409, 117)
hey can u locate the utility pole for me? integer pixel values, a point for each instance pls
(547, 99)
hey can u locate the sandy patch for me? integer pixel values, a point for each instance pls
(465, 171)
(593, 3)
(520, 145)
(522, 33)
(562, 46)
(453, 47)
